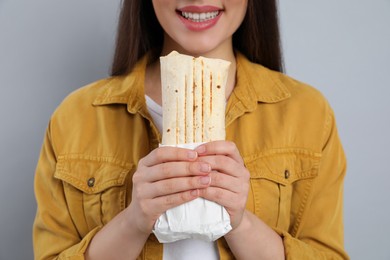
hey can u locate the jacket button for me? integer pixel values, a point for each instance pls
(91, 182)
(286, 174)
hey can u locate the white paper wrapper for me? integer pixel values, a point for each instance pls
(197, 219)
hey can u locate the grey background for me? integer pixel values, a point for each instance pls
(48, 48)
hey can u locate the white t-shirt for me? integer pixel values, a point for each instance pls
(187, 249)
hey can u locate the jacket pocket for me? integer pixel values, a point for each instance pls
(94, 188)
(281, 182)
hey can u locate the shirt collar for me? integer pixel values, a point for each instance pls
(259, 83)
(127, 89)
(255, 83)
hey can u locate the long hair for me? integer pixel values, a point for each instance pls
(139, 32)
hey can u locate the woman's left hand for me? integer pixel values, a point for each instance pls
(229, 178)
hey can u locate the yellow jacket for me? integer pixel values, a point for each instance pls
(285, 131)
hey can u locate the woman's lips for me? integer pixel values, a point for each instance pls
(198, 18)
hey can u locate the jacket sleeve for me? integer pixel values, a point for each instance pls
(321, 233)
(54, 234)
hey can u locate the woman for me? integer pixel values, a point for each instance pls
(101, 182)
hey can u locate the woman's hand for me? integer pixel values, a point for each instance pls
(229, 187)
(165, 178)
(229, 178)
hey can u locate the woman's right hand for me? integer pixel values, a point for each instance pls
(165, 178)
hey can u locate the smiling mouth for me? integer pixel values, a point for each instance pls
(199, 17)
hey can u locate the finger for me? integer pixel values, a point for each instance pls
(173, 200)
(220, 148)
(224, 164)
(226, 198)
(226, 182)
(176, 169)
(175, 185)
(168, 154)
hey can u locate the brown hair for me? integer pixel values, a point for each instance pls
(140, 32)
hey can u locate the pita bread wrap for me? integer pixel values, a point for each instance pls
(193, 103)
(193, 99)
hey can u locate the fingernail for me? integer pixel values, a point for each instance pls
(205, 180)
(201, 149)
(205, 167)
(191, 154)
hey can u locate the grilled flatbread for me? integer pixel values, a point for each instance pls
(193, 98)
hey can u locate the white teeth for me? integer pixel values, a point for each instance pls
(200, 17)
